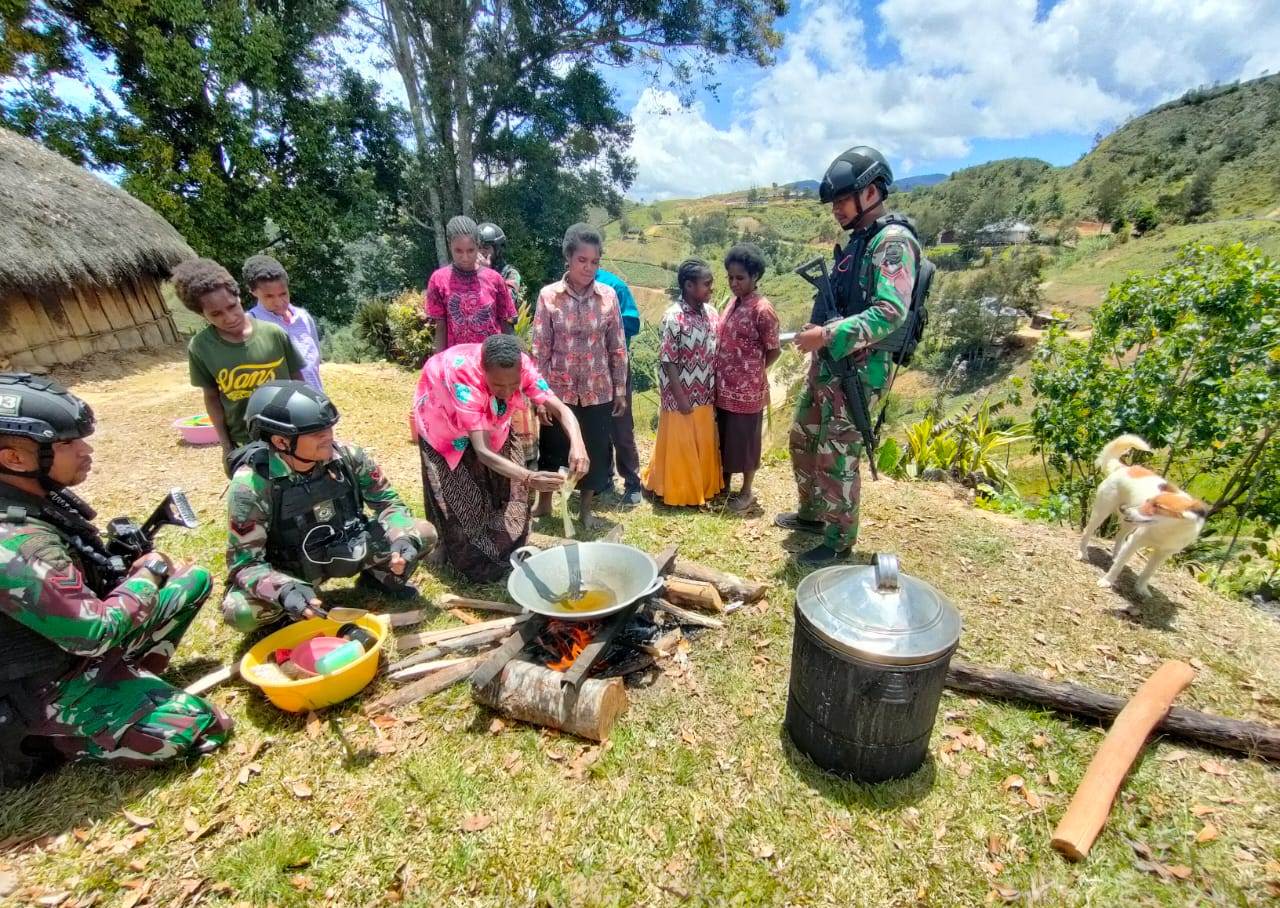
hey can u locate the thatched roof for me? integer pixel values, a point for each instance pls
(61, 225)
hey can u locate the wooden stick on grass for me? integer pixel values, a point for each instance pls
(1088, 810)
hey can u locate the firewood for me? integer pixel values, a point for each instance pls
(424, 668)
(202, 686)
(464, 617)
(1087, 813)
(665, 645)
(413, 641)
(1254, 739)
(694, 593)
(425, 687)
(684, 616)
(480, 639)
(534, 694)
(730, 586)
(450, 601)
(426, 654)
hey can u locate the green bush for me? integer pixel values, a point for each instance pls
(644, 359)
(343, 344)
(410, 331)
(372, 328)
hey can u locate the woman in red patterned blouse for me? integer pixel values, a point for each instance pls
(748, 346)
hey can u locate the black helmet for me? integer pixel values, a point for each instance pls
(42, 410)
(288, 408)
(491, 234)
(854, 171)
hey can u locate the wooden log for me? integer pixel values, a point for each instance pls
(426, 654)
(1087, 813)
(480, 639)
(429, 638)
(425, 687)
(684, 616)
(450, 601)
(202, 686)
(534, 694)
(423, 668)
(665, 645)
(694, 593)
(464, 617)
(730, 586)
(1254, 739)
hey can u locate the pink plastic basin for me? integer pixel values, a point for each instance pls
(197, 430)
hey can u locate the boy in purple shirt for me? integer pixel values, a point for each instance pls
(269, 283)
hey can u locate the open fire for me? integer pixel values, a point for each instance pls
(565, 641)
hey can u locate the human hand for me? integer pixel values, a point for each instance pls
(579, 462)
(619, 405)
(544, 413)
(811, 339)
(397, 564)
(545, 481)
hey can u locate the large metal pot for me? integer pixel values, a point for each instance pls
(868, 664)
(540, 578)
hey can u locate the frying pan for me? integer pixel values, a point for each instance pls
(540, 577)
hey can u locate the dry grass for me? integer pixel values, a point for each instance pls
(698, 799)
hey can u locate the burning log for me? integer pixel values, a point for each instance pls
(730, 586)
(534, 694)
(697, 594)
(1253, 739)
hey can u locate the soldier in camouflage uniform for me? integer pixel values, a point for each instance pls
(873, 280)
(297, 514)
(83, 636)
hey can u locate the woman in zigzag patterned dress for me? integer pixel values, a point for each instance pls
(685, 469)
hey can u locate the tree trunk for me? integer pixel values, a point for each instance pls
(1253, 739)
(534, 694)
(462, 110)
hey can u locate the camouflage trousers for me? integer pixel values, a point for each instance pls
(248, 613)
(118, 711)
(826, 451)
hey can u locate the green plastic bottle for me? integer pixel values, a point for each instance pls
(339, 658)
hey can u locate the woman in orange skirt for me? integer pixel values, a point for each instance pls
(685, 468)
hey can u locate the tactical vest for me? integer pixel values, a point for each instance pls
(317, 519)
(853, 280)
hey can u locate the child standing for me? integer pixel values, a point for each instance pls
(269, 283)
(685, 469)
(233, 354)
(465, 300)
(747, 347)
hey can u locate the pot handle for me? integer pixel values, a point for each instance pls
(886, 566)
(653, 588)
(523, 554)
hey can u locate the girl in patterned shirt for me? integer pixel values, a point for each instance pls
(685, 469)
(466, 301)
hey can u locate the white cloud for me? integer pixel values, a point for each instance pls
(967, 69)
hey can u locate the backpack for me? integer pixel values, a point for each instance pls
(901, 344)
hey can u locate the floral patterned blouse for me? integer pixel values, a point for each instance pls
(453, 400)
(688, 341)
(748, 330)
(578, 344)
(473, 304)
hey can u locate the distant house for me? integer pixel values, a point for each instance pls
(948, 236)
(81, 262)
(1008, 232)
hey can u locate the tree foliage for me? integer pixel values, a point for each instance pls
(1188, 358)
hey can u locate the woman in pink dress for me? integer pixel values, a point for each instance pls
(474, 481)
(465, 300)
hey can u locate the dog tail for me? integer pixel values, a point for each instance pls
(1109, 457)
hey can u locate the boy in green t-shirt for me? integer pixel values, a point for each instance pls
(234, 353)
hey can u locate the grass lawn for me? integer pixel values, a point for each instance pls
(698, 798)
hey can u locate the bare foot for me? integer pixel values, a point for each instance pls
(740, 503)
(593, 523)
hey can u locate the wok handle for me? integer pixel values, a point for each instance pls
(653, 588)
(523, 554)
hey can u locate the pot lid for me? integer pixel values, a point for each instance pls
(874, 613)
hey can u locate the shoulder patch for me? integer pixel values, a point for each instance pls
(889, 255)
(44, 548)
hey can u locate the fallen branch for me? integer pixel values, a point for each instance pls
(477, 640)
(450, 601)
(202, 686)
(424, 668)
(429, 638)
(425, 687)
(1253, 739)
(730, 586)
(684, 616)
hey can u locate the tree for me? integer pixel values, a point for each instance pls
(1187, 358)
(1197, 195)
(236, 122)
(1108, 196)
(508, 89)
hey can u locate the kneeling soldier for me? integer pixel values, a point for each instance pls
(297, 513)
(82, 635)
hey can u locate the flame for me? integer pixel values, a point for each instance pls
(568, 641)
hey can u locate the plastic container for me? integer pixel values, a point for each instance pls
(322, 690)
(197, 430)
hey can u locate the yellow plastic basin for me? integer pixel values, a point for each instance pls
(322, 690)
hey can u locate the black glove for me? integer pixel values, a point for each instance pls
(295, 599)
(406, 549)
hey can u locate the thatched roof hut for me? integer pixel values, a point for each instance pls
(81, 262)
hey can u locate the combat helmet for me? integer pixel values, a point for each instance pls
(853, 171)
(491, 235)
(289, 409)
(40, 409)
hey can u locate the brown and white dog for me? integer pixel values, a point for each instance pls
(1154, 514)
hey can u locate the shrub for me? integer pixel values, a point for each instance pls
(343, 344)
(410, 330)
(372, 328)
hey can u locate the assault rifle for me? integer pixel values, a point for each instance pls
(826, 310)
(127, 541)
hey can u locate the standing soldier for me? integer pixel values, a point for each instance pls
(873, 281)
(297, 514)
(82, 635)
(493, 249)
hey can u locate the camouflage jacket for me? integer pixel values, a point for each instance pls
(895, 260)
(43, 589)
(249, 513)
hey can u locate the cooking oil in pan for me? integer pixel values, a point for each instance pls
(589, 600)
